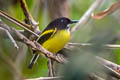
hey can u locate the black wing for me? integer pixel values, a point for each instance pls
(46, 35)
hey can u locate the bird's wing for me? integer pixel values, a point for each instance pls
(46, 35)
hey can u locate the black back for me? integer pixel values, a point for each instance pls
(59, 23)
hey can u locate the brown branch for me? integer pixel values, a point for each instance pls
(115, 6)
(46, 78)
(86, 16)
(10, 37)
(17, 22)
(110, 67)
(38, 47)
(10, 30)
(28, 17)
(93, 76)
(51, 72)
(107, 46)
(5, 15)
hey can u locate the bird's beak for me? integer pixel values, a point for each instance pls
(74, 21)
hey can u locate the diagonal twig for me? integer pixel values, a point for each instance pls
(86, 16)
(93, 76)
(107, 46)
(5, 15)
(17, 22)
(28, 16)
(111, 68)
(10, 30)
(115, 6)
(46, 78)
(10, 37)
(29, 20)
(50, 68)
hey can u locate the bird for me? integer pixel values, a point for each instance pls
(54, 37)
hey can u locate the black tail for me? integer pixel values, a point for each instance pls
(33, 60)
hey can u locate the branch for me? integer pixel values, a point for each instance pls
(10, 37)
(107, 46)
(86, 16)
(38, 47)
(17, 22)
(93, 76)
(28, 17)
(10, 30)
(115, 6)
(53, 56)
(110, 67)
(46, 78)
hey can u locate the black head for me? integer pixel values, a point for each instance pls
(61, 23)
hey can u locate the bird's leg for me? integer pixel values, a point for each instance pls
(33, 60)
(51, 72)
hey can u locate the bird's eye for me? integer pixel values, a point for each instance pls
(62, 21)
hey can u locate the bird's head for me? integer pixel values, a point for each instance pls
(61, 23)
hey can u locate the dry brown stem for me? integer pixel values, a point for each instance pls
(28, 17)
(86, 16)
(17, 22)
(111, 9)
(110, 67)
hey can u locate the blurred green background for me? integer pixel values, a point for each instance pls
(97, 32)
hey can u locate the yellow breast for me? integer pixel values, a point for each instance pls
(58, 41)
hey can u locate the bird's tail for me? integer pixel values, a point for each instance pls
(33, 60)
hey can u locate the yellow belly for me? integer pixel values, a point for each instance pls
(57, 42)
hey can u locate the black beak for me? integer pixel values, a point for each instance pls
(74, 21)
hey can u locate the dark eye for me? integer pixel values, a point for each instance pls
(62, 21)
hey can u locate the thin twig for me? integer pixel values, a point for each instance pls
(28, 16)
(86, 16)
(17, 22)
(111, 68)
(93, 76)
(5, 15)
(108, 46)
(50, 68)
(10, 37)
(115, 6)
(46, 78)
(10, 30)
(29, 19)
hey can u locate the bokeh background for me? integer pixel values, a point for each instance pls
(98, 32)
